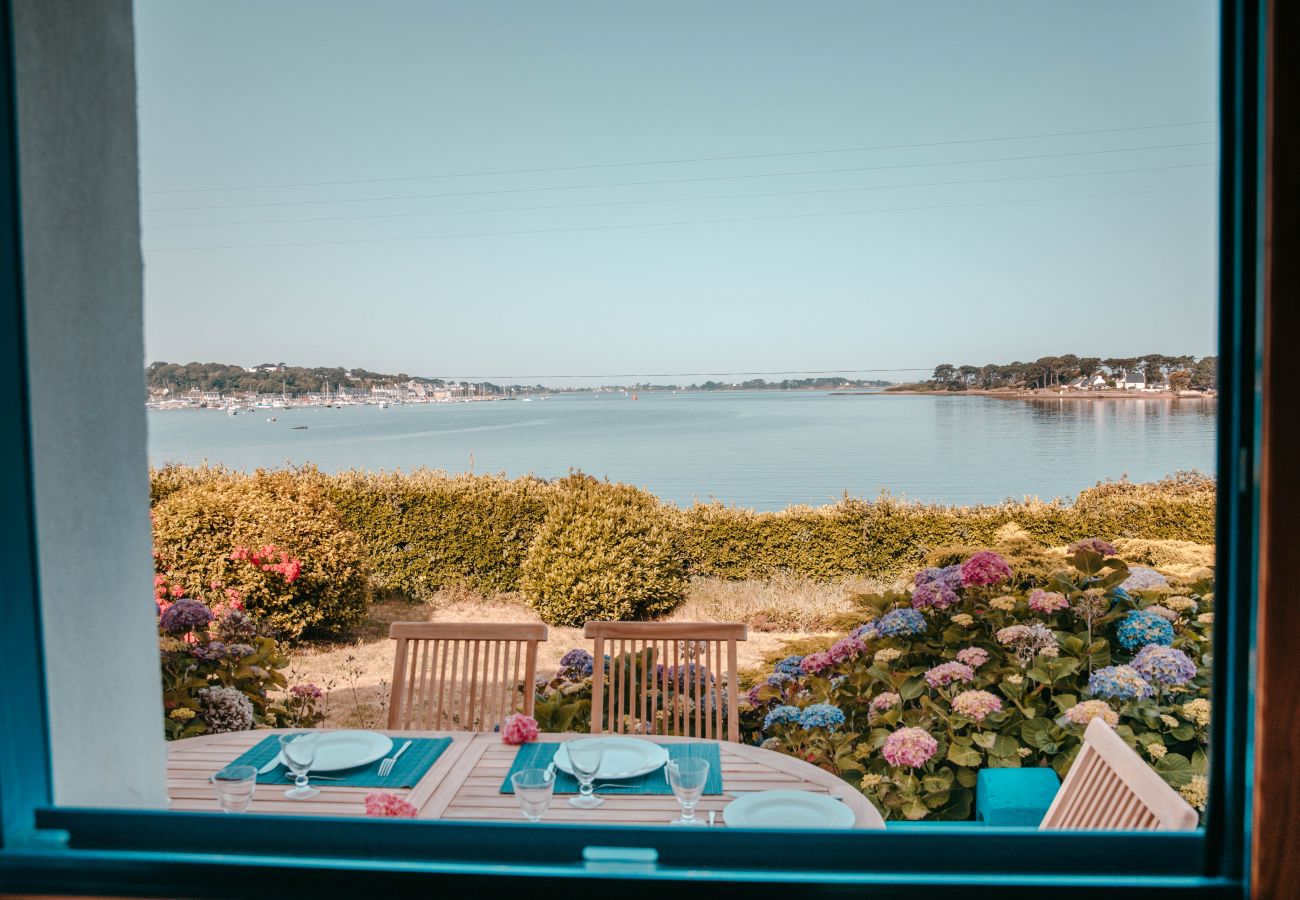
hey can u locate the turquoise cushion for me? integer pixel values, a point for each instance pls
(1014, 796)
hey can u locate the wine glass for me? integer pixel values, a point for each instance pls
(533, 790)
(299, 752)
(687, 777)
(585, 755)
(235, 786)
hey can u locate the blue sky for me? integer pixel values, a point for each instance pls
(840, 269)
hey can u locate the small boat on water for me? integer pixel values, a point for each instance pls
(271, 419)
(232, 411)
(300, 428)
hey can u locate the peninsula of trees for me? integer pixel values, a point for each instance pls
(1048, 372)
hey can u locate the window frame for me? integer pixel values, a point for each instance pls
(61, 850)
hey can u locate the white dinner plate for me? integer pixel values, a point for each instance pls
(624, 757)
(787, 809)
(340, 750)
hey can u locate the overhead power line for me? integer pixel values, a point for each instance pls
(574, 187)
(435, 237)
(881, 187)
(695, 159)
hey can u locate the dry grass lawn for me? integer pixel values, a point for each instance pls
(355, 674)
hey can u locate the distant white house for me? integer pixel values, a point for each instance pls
(1131, 381)
(1095, 382)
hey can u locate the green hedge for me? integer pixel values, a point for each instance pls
(423, 531)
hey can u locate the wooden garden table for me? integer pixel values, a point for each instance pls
(465, 783)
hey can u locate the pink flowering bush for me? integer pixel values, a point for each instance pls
(383, 805)
(519, 729)
(1005, 670)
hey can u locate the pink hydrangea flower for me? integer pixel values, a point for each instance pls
(384, 805)
(1047, 602)
(816, 663)
(976, 704)
(984, 568)
(309, 691)
(909, 747)
(519, 729)
(846, 648)
(886, 700)
(948, 673)
(973, 656)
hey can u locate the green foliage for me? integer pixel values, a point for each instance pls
(424, 531)
(1032, 689)
(603, 552)
(199, 529)
(420, 532)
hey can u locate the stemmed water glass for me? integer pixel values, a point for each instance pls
(585, 755)
(687, 778)
(533, 790)
(299, 752)
(235, 786)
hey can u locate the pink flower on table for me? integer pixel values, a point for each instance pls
(519, 729)
(909, 747)
(384, 805)
(973, 656)
(984, 568)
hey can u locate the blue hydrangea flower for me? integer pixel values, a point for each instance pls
(821, 715)
(901, 623)
(790, 666)
(1164, 666)
(1142, 627)
(577, 662)
(779, 679)
(782, 715)
(1119, 683)
(865, 632)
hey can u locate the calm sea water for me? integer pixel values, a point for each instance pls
(764, 449)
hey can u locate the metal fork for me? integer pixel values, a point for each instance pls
(386, 766)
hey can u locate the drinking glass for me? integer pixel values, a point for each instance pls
(585, 755)
(299, 752)
(234, 786)
(687, 777)
(533, 790)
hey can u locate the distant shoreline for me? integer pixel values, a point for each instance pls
(1057, 395)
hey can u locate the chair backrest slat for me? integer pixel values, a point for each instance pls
(453, 676)
(1110, 787)
(666, 678)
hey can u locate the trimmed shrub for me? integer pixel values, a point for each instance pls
(272, 540)
(424, 531)
(604, 551)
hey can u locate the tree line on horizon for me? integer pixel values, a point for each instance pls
(1182, 372)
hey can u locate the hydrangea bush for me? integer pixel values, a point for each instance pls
(220, 671)
(971, 668)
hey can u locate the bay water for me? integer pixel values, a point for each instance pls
(762, 449)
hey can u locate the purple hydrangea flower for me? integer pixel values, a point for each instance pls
(577, 662)
(1165, 666)
(185, 615)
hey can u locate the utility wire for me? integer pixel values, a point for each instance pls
(881, 187)
(662, 162)
(573, 187)
(435, 237)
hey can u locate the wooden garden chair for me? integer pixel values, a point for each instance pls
(666, 678)
(457, 676)
(1110, 787)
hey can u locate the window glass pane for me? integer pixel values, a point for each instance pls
(871, 352)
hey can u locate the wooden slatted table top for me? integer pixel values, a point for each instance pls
(465, 783)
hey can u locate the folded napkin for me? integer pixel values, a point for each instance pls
(409, 769)
(539, 756)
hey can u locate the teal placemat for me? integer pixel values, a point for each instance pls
(410, 767)
(539, 756)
